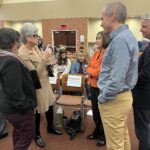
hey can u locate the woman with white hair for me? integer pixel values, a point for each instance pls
(34, 59)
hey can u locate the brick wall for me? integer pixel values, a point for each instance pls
(79, 24)
(1, 23)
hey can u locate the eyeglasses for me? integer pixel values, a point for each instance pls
(35, 35)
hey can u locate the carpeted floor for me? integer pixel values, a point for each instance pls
(54, 142)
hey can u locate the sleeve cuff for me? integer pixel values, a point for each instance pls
(101, 99)
(104, 99)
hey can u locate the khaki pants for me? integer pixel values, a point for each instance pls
(114, 116)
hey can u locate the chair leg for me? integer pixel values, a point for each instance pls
(55, 107)
(82, 115)
(85, 111)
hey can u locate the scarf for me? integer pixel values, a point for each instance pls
(80, 68)
(6, 53)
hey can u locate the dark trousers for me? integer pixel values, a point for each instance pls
(142, 128)
(87, 90)
(49, 118)
(99, 131)
(23, 129)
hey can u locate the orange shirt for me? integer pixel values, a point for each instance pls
(94, 66)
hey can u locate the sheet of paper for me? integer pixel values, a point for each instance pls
(90, 113)
(53, 80)
(74, 81)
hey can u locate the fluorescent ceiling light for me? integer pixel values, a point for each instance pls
(23, 1)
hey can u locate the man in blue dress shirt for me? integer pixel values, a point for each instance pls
(118, 76)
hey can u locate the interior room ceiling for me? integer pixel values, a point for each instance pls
(16, 10)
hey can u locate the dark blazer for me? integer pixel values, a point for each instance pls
(17, 92)
(141, 92)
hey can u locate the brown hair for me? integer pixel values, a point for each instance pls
(62, 61)
(105, 38)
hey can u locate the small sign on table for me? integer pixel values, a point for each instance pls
(74, 81)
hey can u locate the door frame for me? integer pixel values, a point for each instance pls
(60, 31)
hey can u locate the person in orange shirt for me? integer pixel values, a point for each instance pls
(93, 70)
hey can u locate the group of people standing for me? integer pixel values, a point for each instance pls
(117, 78)
(124, 79)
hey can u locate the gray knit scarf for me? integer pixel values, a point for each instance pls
(7, 53)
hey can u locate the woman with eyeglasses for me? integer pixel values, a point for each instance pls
(34, 59)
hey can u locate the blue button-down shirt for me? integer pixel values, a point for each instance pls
(119, 70)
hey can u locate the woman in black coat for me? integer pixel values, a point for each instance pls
(17, 93)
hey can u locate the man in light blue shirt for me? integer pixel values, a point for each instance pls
(119, 68)
(118, 76)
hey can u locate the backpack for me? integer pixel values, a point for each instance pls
(74, 124)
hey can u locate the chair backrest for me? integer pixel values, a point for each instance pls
(66, 88)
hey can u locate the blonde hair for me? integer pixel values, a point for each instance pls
(81, 53)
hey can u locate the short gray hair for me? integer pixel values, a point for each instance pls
(117, 8)
(28, 29)
(146, 16)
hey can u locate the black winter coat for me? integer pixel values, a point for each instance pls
(141, 92)
(17, 92)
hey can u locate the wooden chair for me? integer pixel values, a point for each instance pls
(72, 100)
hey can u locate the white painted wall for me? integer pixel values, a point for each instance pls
(94, 28)
(18, 25)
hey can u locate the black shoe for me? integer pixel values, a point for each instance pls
(101, 141)
(39, 141)
(92, 136)
(89, 97)
(4, 135)
(54, 130)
